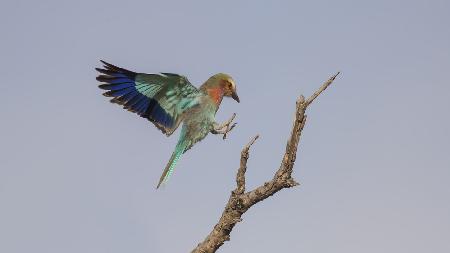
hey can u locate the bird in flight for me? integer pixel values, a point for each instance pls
(166, 100)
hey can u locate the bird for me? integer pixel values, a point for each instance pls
(168, 100)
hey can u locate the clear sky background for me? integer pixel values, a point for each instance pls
(78, 174)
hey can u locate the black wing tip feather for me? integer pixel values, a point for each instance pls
(110, 71)
(105, 71)
(108, 93)
(104, 78)
(107, 64)
(110, 68)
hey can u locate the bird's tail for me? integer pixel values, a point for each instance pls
(179, 150)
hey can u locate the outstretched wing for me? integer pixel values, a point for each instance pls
(160, 98)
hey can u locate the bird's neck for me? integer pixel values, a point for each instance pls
(215, 94)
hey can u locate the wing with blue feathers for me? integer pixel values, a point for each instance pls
(160, 98)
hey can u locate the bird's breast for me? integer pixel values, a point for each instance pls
(199, 122)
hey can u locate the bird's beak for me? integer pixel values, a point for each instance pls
(235, 96)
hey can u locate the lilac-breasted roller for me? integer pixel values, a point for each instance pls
(167, 99)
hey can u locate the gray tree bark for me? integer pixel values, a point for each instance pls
(240, 200)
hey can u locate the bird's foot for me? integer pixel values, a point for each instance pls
(225, 127)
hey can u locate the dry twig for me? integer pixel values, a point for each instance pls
(240, 201)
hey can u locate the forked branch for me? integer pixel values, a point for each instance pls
(240, 200)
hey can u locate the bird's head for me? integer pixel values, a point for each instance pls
(226, 83)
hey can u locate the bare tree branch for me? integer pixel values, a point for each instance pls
(322, 88)
(240, 201)
(240, 176)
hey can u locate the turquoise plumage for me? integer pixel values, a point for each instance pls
(168, 99)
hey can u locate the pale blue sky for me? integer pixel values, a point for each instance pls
(78, 174)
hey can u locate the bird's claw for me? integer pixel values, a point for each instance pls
(228, 129)
(225, 127)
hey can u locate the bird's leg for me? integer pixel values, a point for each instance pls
(225, 127)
